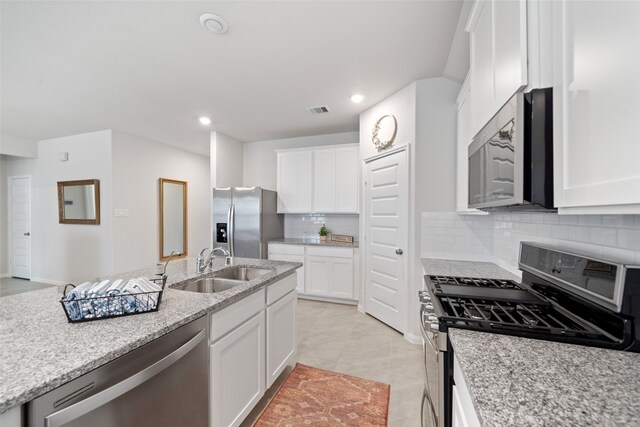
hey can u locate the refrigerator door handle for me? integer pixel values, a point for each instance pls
(230, 222)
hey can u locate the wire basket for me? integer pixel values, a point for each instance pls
(109, 306)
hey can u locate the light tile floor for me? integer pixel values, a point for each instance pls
(338, 338)
(12, 286)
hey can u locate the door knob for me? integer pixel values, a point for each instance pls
(399, 251)
(27, 234)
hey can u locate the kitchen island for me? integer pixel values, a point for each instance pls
(40, 350)
(516, 381)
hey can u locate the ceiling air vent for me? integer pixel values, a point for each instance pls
(318, 110)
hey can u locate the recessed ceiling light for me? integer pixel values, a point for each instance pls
(357, 98)
(213, 23)
(205, 120)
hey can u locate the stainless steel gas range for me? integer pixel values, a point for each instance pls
(563, 296)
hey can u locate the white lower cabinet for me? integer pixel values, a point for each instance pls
(291, 253)
(237, 365)
(281, 336)
(329, 272)
(462, 411)
(251, 343)
(237, 370)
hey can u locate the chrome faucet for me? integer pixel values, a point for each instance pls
(223, 250)
(202, 263)
(164, 270)
(227, 260)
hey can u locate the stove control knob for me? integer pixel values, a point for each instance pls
(434, 327)
(432, 318)
(428, 307)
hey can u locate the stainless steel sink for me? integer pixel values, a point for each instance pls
(224, 280)
(243, 273)
(209, 285)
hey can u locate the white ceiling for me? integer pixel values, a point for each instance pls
(148, 68)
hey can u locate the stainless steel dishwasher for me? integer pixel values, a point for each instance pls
(162, 383)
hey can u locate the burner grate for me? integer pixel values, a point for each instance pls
(474, 281)
(505, 314)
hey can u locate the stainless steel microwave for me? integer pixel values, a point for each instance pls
(511, 158)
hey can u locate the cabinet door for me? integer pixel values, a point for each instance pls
(318, 280)
(347, 179)
(304, 187)
(281, 336)
(457, 415)
(299, 272)
(237, 372)
(498, 46)
(287, 182)
(510, 49)
(342, 283)
(482, 72)
(596, 136)
(324, 180)
(294, 182)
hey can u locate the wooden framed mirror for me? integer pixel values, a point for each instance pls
(79, 202)
(173, 218)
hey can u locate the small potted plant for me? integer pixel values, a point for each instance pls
(323, 232)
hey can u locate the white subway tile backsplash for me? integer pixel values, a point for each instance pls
(307, 226)
(497, 237)
(629, 239)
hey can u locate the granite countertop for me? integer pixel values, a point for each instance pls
(315, 242)
(516, 381)
(40, 350)
(527, 382)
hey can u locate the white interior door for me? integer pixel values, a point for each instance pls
(387, 220)
(20, 226)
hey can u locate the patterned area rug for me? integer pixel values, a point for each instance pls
(313, 397)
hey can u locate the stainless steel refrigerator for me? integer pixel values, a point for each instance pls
(245, 219)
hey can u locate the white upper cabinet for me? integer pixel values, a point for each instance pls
(295, 176)
(324, 180)
(498, 44)
(319, 180)
(463, 138)
(596, 108)
(348, 179)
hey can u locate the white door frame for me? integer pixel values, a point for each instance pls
(10, 221)
(409, 249)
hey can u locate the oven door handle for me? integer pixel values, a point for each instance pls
(87, 405)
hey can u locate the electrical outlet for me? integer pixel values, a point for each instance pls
(121, 212)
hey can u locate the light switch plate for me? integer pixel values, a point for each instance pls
(121, 212)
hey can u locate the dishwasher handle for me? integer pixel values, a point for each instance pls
(87, 405)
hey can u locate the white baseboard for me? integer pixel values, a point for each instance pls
(48, 281)
(413, 338)
(3, 275)
(328, 299)
(361, 308)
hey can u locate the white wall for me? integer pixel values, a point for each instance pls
(67, 252)
(402, 105)
(426, 113)
(138, 164)
(260, 161)
(14, 146)
(226, 161)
